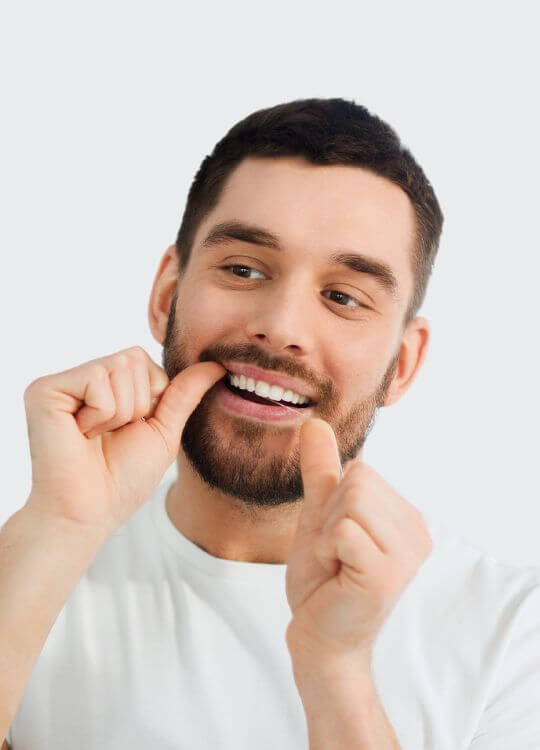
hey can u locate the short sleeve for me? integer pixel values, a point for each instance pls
(511, 718)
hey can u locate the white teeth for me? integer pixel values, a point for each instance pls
(264, 390)
(276, 393)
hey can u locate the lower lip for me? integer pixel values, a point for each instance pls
(239, 405)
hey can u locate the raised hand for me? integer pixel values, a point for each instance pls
(357, 546)
(102, 434)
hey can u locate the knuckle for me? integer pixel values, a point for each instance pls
(98, 372)
(344, 528)
(36, 383)
(356, 476)
(34, 388)
(121, 361)
(138, 353)
(356, 508)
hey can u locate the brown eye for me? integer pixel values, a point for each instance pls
(244, 268)
(341, 295)
(346, 296)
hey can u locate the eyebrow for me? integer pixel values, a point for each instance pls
(230, 231)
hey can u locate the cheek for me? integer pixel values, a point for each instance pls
(357, 372)
(204, 316)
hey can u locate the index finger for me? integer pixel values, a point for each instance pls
(137, 355)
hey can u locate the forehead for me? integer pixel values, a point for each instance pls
(318, 209)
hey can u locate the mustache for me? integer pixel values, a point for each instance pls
(251, 355)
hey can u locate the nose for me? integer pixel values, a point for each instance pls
(282, 318)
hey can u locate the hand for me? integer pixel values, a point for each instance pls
(102, 434)
(357, 546)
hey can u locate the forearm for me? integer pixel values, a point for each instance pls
(342, 709)
(41, 561)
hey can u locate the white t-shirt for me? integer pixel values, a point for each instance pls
(162, 646)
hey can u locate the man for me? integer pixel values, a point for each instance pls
(279, 593)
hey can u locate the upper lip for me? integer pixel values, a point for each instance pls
(272, 378)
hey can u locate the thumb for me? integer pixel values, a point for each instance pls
(183, 394)
(320, 464)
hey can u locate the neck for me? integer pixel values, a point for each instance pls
(226, 527)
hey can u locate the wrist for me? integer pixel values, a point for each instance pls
(318, 677)
(34, 515)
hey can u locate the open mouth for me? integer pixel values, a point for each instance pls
(251, 396)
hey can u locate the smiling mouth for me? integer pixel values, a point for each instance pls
(251, 396)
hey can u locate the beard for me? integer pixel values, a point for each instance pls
(259, 463)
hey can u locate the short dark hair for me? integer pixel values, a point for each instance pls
(323, 131)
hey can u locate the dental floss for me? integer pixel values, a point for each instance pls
(279, 403)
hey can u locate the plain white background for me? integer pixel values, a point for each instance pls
(108, 110)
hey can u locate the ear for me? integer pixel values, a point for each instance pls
(163, 290)
(412, 354)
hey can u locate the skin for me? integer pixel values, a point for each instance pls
(239, 489)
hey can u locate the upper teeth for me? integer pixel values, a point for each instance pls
(264, 390)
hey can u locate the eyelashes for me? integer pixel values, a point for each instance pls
(333, 291)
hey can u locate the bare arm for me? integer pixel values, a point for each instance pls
(88, 428)
(41, 561)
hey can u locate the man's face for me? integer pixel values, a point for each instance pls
(293, 312)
